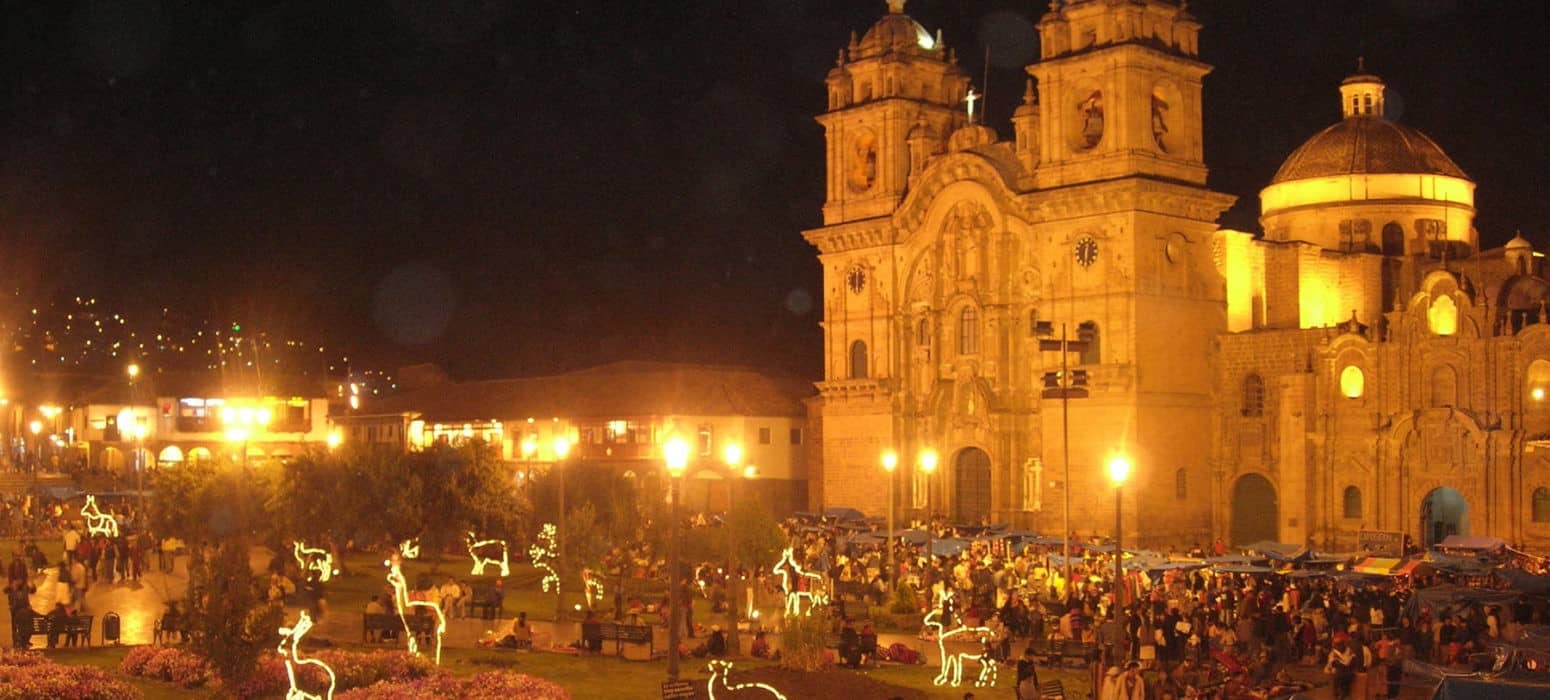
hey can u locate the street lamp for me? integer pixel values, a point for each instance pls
(561, 448)
(676, 455)
(241, 424)
(1119, 470)
(36, 427)
(890, 463)
(928, 466)
(1064, 385)
(732, 454)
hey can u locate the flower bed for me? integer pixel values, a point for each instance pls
(26, 676)
(490, 685)
(351, 670)
(170, 664)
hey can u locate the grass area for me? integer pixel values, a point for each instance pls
(593, 676)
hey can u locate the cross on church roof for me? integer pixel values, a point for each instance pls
(971, 98)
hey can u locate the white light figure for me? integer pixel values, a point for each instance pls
(952, 664)
(410, 549)
(98, 523)
(592, 588)
(542, 552)
(293, 659)
(719, 670)
(476, 546)
(401, 603)
(318, 560)
(815, 595)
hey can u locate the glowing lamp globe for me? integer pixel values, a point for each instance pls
(1119, 469)
(890, 461)
(928, 461)
(676, 454)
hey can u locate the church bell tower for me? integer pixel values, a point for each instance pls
(895, 89)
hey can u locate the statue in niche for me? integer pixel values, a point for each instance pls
(1159, 122)
(970, 222)
(1091, 111)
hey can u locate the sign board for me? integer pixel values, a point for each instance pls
(1381, 542)
(677, 690)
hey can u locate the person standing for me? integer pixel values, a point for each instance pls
(18, 595)
(72, 539)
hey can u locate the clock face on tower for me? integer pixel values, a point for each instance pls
(855, 278)
(1086, 251)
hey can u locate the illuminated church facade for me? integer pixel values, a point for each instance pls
(1358, 365)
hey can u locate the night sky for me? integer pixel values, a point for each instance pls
(521, 187)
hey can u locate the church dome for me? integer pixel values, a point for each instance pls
(1367, 145)
(895, 32)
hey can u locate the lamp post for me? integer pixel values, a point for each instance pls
(928, 466)
(138, 431)
(36, 427)
(732, 454)
(890, 463)
(1064, 385)
(676, 455)
(1119, 470)
(241, 424)
(561, 448)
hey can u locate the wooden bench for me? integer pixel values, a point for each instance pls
(622, 634)
(73, 629)
(484, 605)
(1082, 652)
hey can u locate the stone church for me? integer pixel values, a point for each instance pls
(1359, 365)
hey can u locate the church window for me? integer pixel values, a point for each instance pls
(968, 331)
(1253, 396)
(764, 436)
(1033, 322)
(1443, 316)
(1541, 506)
(1444, 387)
(1352, 503)
(1181, 484)
(1088, 332)
(1352, 382)
(1393, 239)
(923, 333)
(1355, 235)
(1367, 104)
(858, 360)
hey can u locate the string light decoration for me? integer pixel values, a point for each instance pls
(291, 637)
(410, 549)
(719, 670)
(952, 664)
(815, 595)
(541, 553)
(315, 560)
(475, 546)
(592, 588)
(98, 523)
(401, 603)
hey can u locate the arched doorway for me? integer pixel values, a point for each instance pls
(1443, 512)
(1254, 512)
(971, 486)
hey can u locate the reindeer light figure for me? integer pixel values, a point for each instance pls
(98, 523)
(316, 560)
(542, 553)
(719, 670)
(815, 595)
(293, 635)
(410, 549)
(952, 663)
(401, 602)
(592, 587)
(478, 548)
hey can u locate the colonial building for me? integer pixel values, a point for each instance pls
(1361, 364)
(943, 248)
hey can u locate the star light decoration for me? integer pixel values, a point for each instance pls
(401, 601)
(952, 664)
(476, 545)
(815, 595)
(542, 552)
(98, 523)
(315, 560)
(289, 643)
(719, 670)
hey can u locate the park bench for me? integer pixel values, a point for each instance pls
(422, 626)
(166, 627)
(1052, 690)
(72, 629)
(622, 634)
(1081, 652)
(484, 604)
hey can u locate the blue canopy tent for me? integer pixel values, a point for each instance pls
(1279, 551)
(948, 547)
(913, 536)
(1241, 569)
(843, 514)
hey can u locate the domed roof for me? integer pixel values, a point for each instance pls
(1367, 144)
(896, 31)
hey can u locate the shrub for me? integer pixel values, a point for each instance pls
(30, 676)
(804, 642)
(490, 685)
(904, 601)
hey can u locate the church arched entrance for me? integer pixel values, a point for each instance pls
(971, 486)
(1443, 512)
(1254, 511)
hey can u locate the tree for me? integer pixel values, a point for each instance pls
(204, 501)
(453, 490)
(230, 624)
